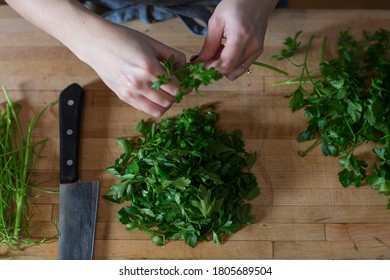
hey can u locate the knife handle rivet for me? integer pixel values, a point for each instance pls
(69, 132)
(70, 102)
(69, 162)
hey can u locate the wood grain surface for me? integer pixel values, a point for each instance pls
(302, 213)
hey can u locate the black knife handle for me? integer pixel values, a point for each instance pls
(70, 109)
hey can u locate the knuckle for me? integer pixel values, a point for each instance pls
(180, 58)
(137, 85)
(125, 96)
(213, 22)
(166, 103)
(146, 66)
(172, 90)
(257, 46)
(227, 67)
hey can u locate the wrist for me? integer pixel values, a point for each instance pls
(78, 29)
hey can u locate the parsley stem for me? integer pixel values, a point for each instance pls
(295, 81)
(270, 67)
(350, 129)
(293, 63)
(323, 49)
(310, 148)
(304, 65)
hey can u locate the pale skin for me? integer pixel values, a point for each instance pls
(128, 61)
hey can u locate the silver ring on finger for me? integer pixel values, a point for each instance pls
(248, 70)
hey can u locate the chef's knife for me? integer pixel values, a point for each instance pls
(78, 199)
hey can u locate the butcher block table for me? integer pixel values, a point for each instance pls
(302, 213)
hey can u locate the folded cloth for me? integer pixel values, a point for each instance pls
(195, 14)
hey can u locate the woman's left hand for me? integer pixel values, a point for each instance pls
(235, 37)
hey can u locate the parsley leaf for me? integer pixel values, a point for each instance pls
(291, 44)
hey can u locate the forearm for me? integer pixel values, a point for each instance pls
(66, 20)
(126, 60)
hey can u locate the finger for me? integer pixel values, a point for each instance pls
(145, 98)
(164, 52)
(171, 88)
(231, 56)
(212, 42)
(237, 49)
(164, 95)
(242, 68)
(144, 104)
(160, 97)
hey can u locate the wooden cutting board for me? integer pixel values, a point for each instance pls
(302, 213)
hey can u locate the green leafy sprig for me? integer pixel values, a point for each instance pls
(291, 44)
(190, 75)
(194, 75)
(183, 178)
(347, 104)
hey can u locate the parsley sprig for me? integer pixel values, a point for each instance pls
(184, 178)
(291, 44)
(194, 75)
(347, 104)
(190, 75)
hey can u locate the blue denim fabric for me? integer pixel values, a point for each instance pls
(195, 14)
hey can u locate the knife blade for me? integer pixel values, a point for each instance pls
(78, 199)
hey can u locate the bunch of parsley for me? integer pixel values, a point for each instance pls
(347, 104)
(183, 178)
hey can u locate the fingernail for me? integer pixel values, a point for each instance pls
(193, 58)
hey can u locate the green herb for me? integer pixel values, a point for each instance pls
(270, 67)
(19, 156)
(347, 104)
(191, 76)
(183, 178)
(291, 44)
(194, 75)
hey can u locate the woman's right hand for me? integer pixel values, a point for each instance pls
(126, 60)
(129, 62)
